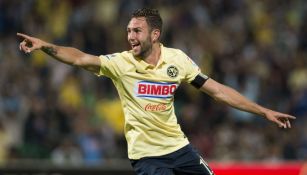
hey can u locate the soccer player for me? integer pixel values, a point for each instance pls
(146, 78)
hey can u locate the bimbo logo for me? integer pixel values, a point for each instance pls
(155, 89)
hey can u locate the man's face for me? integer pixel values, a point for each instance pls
(139, 37)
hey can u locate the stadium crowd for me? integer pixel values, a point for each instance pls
(51, 111)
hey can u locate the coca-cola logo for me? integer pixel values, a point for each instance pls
(155, 107)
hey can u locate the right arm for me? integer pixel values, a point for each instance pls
(67, 55)
(233, 98)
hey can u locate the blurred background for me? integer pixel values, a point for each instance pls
(63, 115)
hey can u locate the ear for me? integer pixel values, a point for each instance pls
(155, 35)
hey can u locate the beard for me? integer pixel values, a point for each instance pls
(145, 48)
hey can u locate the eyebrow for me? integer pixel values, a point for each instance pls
(134, 28)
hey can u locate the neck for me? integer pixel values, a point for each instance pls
(154, 56)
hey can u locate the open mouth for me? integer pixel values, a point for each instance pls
(135, 45)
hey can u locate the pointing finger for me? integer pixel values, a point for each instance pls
(291, 117)
(287, 116)
(24, 36)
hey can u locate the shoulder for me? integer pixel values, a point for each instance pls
(173, 52)
(174, 55)
(112, 56)
(114, 65)
(117, 57)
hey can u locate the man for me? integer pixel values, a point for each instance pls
(146, 78)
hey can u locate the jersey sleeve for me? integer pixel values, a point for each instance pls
(109, 65)
(191, 69)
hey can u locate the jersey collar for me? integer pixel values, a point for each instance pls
(161, 61)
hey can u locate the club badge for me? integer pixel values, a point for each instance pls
(172, 71)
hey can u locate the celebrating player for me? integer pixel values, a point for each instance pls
(146, 78)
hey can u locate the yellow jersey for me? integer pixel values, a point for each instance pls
(147, 96)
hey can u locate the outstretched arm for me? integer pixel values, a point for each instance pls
(67, 55)
(233, 98)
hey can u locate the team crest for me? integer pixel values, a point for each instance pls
(172, 71)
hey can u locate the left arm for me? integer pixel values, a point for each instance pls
(233, 98)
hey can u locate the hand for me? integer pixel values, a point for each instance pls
(29, 43)
(279, 118)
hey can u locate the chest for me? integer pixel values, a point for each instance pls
(160, 82)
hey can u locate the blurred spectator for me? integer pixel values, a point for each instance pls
(67, 153)
(3, 144)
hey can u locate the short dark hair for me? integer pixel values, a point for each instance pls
(152, 17)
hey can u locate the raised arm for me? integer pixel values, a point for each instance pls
(233, 98)
(67, 55)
